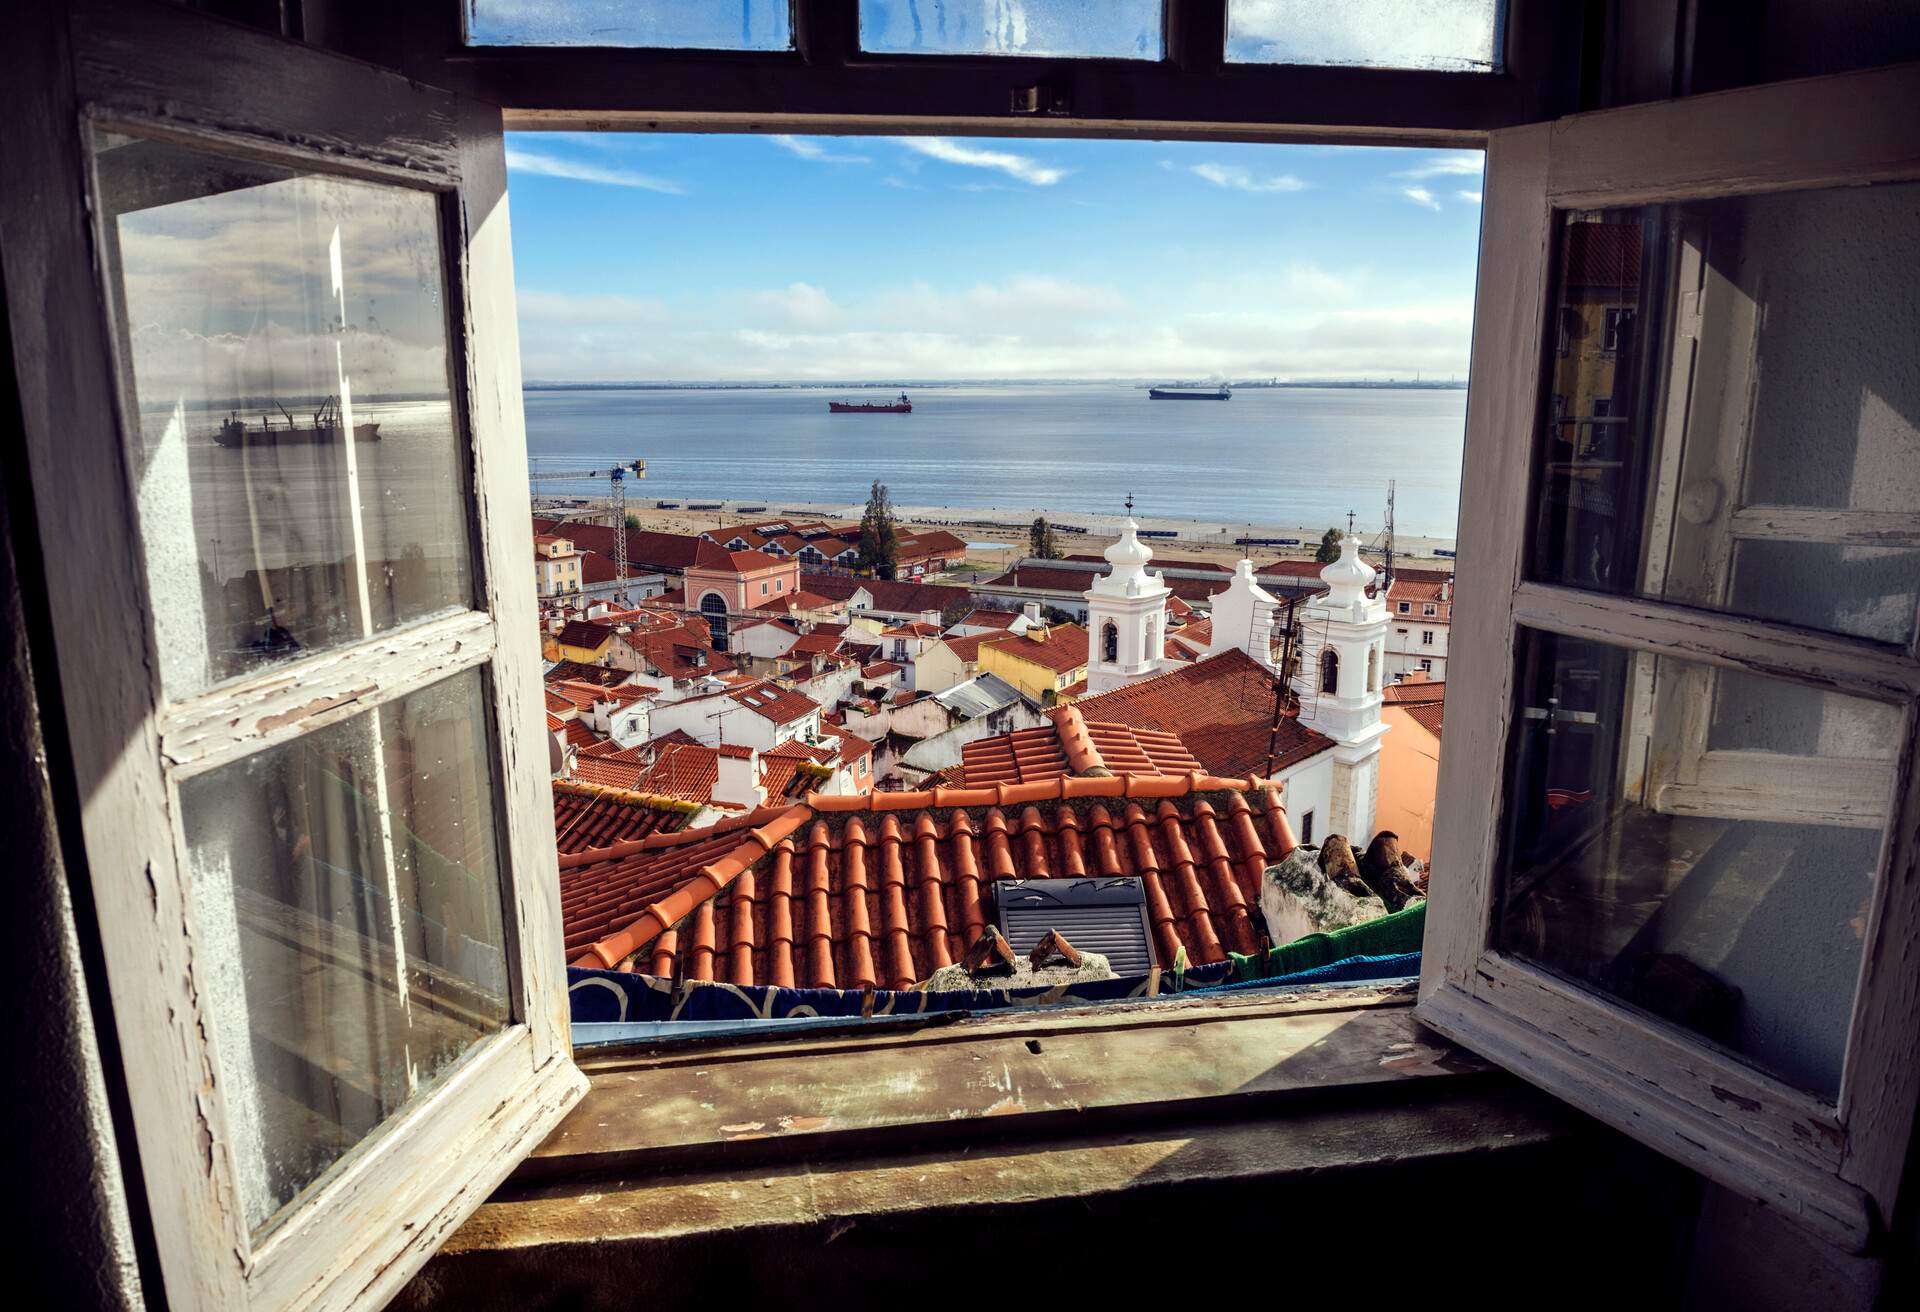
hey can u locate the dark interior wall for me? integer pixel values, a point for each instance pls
(65, 1204)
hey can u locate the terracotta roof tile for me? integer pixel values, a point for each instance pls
(1074, 745)
(589, 634)
(1221, 708)
(1060, 648)
(587, 816)
(880, 891)
(880, 669)
(609, 772)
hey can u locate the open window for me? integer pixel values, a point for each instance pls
(1675, 838)
(284, 534)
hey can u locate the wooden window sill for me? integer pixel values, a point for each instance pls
(671, 1143)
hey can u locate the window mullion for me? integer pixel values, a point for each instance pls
(1818, 660)
(285, 702)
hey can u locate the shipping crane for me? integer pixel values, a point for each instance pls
(617, 476)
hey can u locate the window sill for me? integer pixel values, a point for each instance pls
(675, 1146)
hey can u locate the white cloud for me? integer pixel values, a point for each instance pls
(1022, 167)
(1241, 179)
(811, 148)
(522, 160)
(1448, 164)
(1311, 280)
(1420, 196)
(1470, 197)
(595, 310)
(1310, 321)
(798, 305)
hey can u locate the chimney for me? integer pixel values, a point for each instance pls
(1446, 588)
(739, 780)
(1032, 611)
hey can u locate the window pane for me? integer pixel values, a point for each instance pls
(1699, 842)
(1086, 29)
(298, 465)
(1734, 408)
(681, 24)
(347, 885)
(1454, 36)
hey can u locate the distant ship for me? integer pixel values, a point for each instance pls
(324, 428)
(900, 407)
(1219, 393)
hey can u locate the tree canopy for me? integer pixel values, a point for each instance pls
(1040, 543)
(877, 536)
(1329, 547)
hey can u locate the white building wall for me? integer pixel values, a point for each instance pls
(1405, 650)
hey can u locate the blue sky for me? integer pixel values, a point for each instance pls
(647, 257)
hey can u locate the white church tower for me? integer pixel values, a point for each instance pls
(1126, 616)
(1245, 616)
(1342, 654)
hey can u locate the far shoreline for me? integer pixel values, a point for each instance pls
(1006, 528)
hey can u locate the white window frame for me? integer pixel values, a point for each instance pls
(361, 1230)
(1834, 1167)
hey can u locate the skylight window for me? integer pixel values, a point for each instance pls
(1444, 36)
(664, 24)
(1089, 29)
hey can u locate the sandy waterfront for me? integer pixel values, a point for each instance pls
(1006, 530)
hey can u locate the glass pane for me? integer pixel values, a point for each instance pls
(1699, 842)
(1449, 36)
(1084, 29)
(298, 462)
(1734, 408)
(661, 24)
(349, 888)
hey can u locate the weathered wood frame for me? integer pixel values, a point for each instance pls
(1835, 1167)
(827, 84)
(164, 71)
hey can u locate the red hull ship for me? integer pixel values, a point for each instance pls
(900, 407)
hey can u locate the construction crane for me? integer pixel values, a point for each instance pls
(617, 476)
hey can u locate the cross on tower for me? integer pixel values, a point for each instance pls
(1129, 505)
(1349, 523)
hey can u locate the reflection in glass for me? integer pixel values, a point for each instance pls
(1448, 36)
(1699, 842)
(656, 24)
(298, 461)
(1084, 29)
(348, 885)
(1732, 414)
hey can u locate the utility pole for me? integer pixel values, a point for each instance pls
(1284, 700)
(1388, 571)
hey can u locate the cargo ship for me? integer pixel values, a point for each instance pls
(900, 407)
(1219, 393)
(325, 427)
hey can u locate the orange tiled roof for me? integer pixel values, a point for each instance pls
(967, 649)
(685, 771)
(1063, 648)
(879, 891)
(1221, 708)
(1424, 701)
(1073, 745)
(610, 772)
(589, 634)
(772, 702)
(879, 670)
(587, 816)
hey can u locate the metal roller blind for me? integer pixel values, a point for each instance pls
(1108, 916)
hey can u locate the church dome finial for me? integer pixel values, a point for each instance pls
(1128, 554)
(1348, 577)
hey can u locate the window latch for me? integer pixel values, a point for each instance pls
(1041, 98)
